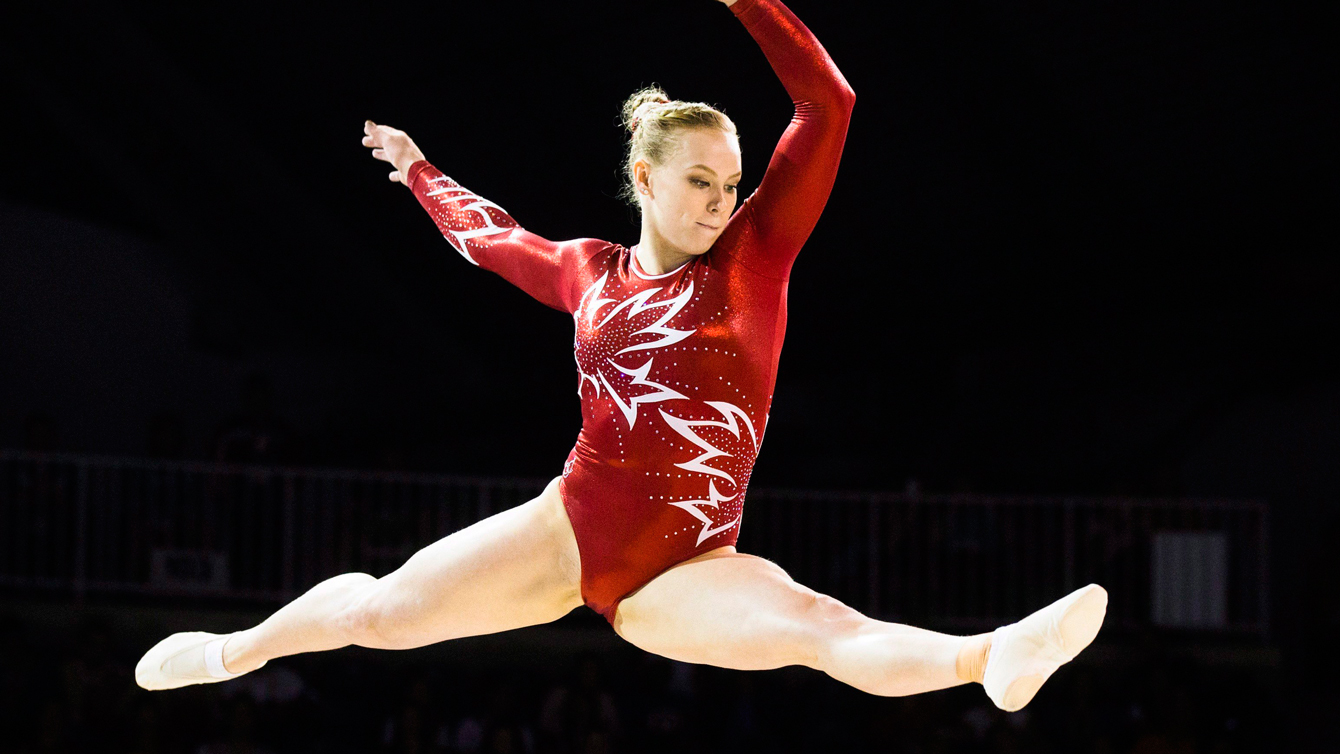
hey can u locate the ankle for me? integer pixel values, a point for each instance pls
(971, 664)
(236, 655)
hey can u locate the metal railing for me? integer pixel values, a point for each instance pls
(83, 524)
(977, 561)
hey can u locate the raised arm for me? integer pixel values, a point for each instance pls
(482, 231)
(774, 222)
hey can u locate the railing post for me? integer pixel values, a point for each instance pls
(872, 542)
(1263, 579)
(290, 535)
(1069, 536)
(81, 532)
(485, 501)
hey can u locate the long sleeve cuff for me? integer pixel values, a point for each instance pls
(742, 7)
(414, 171)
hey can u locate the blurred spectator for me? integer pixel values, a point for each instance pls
(146, 735)
(469, 734)
(663, 711)
(504, 712)
(240, 737)
(86, 700)
(280, 684)
(507, 739)
(1172, 726)
(416, 726)
(577, 708)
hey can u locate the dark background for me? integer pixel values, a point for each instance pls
(1072, 248)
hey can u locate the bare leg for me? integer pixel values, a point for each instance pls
(740, 611)
(516, 568)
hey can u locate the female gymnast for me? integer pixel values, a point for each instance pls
(677, 342)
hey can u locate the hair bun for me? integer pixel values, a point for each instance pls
(636, 107)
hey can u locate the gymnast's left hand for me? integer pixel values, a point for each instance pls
(393, 146)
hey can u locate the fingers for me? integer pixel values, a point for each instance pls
(373, 138)
(373, 134)
(375, 131)
(376, 137)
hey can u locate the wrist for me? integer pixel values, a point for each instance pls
(411, 171)
(408, 161)
(407, 166)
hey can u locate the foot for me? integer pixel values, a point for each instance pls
(184, 659)
(1024, 655)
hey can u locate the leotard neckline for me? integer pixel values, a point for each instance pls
(637, 268)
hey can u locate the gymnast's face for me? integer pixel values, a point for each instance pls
(688, 199)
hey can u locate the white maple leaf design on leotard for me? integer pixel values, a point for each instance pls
(609, 357)
(734, 467)
(615, 337)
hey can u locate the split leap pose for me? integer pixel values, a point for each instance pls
(677, 342)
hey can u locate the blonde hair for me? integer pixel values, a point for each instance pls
(652, 120)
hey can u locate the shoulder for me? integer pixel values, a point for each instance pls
(739, 248)
(588, 249)
(586, 260)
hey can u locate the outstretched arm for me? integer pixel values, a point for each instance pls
(777, 218)
(482, 231)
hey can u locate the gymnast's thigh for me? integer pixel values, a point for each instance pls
(731, 610)
(515, 568)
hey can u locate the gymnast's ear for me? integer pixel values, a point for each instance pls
(642, 176)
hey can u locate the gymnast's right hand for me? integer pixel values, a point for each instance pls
(393, 146)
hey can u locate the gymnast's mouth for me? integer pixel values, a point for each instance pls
(709, 227)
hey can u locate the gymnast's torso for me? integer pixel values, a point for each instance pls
(675, 374)
(676, 370)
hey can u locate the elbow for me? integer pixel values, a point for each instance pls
(846, 97)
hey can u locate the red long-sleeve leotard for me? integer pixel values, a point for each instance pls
(675, 371)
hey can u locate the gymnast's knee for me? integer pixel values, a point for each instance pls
(829, 621)
(368, 621)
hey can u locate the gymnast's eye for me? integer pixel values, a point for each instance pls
(697, 182)
(731, 188)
